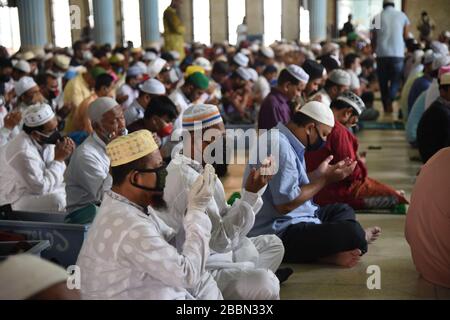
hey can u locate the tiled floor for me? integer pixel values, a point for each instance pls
(391, 253)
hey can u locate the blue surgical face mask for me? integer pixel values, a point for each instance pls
(319, 144)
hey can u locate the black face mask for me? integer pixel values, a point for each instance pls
(161, 175)
(53, 138)
(319, 144)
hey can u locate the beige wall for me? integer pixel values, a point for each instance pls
(290, 27)
(255, 16)
(219, 24)
(439, 10)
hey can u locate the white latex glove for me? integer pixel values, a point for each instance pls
(202, 190)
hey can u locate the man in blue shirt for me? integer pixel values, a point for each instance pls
(330, 234)
(390, 28)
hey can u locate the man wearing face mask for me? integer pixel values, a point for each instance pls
(147, 92)
(129, 92)
(33, 164)
(79, 49)
(159, 119)
(315, 71)
(28, 93)
(194, 87)
(357, 190)
(310, 233)
(48, 84)
(352, 64)
(128, 253)
(337, 83)
(275, 108)
(243, 268)
(87, 176)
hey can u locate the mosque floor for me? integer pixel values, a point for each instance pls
(399, 279)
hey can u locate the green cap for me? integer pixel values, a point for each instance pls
(352, 36)
(199, 80)
(97, 71)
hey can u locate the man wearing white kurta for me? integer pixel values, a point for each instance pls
(32, 168)
(243, 268)
(87, 176)
(127, 254)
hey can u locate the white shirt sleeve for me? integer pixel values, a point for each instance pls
(151, 254)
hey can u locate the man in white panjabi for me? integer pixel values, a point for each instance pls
(32, 164)
(243, 268)
(127, 254)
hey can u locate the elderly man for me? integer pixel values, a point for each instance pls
(276, 107)
(337, 83)
(147, 91)
(358, 190)
(329, 234)
(33, 164)
(28, 93)
(127, 254)
(87, 176)
(242, 267)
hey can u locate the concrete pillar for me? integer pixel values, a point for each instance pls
(104, 20)
(80, 7)
(149, 23)
(186, 16)
(33, 23)
(255, 17)
(219, 23)
(290, 26)
(318, 18)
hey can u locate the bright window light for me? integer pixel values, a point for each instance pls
(162, 6)
(9, 27)
(131, 22)
(202, 27)
(236, 14)
(62, 23)
(272, 21)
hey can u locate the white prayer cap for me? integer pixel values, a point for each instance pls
(153, 86)
(38, 115)
(175, 55)
(246, 51)
(319, 112)
(24, 276)
(40, 54)
(141, 65)
(353, 100)
(23, 85)
(439, 48)
(150, 56)
(268, 52)
(48, 57)
(62, 61)
(340, 77)
(254, 47)
(241, 60)
(29, 55)
(23, 66)
(244, 73)
(298, 73)
(204, 63)
(99, 107)
(254, 75)
(201, 116)
(134, 71)
(156, 67)
(440, 61)
(49, 46)
(329, 48)
(428, 57)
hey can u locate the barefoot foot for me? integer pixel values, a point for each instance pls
(347, 259)
(372, 234)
